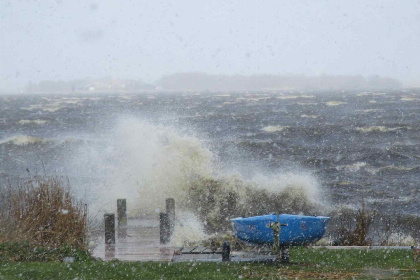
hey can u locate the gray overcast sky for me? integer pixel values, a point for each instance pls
(60, 40)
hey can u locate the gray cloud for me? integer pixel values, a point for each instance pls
(150, 39)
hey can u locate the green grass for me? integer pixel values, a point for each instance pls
(306, 264)
(26, 252)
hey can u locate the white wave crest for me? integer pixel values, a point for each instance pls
(363, 94)
(37, 122)
(409, 98)
(309, 116)
(335, 103)
(379, 128)
(274, 128)
(23, 140)
(353, 167)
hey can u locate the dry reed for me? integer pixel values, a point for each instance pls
(42, 211)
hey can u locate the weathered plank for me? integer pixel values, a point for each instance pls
(141, 244)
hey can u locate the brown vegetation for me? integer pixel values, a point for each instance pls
(215, 202)
(358, 237)
(43, 212)
(366, 227)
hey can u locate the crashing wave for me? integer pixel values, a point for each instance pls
(188, 230)
(148, 163)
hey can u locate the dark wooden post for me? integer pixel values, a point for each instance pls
(226, 251)
(164, 228)
(122, 217)
(285, 254)
(109, 251)
(170, 211)
(109, 228)
(280, 250)
(85, 224)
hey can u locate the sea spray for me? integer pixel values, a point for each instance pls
(189, 230)
(216, 200)
(147, 163)
(142, 162)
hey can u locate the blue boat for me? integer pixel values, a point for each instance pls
(300, 230)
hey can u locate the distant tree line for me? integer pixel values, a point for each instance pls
(89, 85)
(209, 82)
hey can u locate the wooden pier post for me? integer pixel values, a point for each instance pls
(281, 251)
(167, 221)
(109, 228)
(226, 251)
(170, 211)
(284, 254)
(122, 217)
(164, 228)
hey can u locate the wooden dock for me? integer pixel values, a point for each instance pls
(142, 243)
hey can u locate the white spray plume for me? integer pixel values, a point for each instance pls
(147, 163)
(188, 230)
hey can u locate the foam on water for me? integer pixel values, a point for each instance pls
(407, 98)
(379, 129)
(355, 167)
(335, 103)
(23, 140)
(363, 94)
(309, 116)
(37, 122)
(274, 128)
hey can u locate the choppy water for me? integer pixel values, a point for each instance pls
(355, 144)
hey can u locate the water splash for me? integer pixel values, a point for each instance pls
(147, 163)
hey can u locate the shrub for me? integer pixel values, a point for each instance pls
(42, 211)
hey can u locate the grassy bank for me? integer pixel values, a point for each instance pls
(306, 264)
(11, 252)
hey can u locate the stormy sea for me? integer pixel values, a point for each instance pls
(334, 148)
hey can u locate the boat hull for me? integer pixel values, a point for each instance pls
(299, 230)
